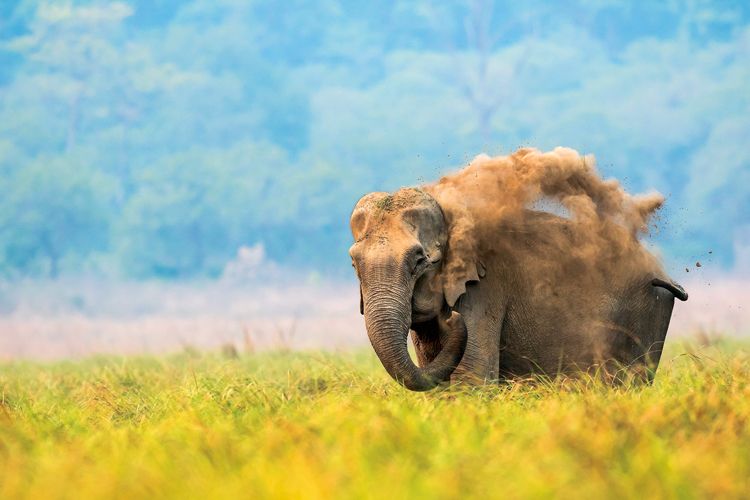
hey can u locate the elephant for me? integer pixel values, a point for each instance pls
(526, 310)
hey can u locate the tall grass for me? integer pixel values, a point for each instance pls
(317, 425)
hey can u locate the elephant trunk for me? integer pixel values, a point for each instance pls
(387, 309)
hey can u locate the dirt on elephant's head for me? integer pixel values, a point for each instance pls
(488, 201)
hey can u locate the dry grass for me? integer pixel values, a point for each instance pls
(315, 425)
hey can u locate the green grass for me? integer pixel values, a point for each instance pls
(315, 425)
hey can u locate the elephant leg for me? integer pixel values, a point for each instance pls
(481, 360)
(480, 364)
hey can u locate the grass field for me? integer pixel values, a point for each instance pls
(317, 425)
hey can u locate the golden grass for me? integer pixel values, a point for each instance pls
(317, 425)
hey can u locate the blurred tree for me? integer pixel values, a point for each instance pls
(51, 209)
(73, 63)
(190, 215)
(209, 125)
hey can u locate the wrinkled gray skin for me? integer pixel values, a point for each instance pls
(503, 326)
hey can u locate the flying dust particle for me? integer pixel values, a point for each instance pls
(487, 201)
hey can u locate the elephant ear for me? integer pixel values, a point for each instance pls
(462, 263)
(457, 277)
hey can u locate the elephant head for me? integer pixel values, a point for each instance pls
(400, 244)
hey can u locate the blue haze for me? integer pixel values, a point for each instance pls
(154, 138)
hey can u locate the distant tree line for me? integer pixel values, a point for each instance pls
(154, 138)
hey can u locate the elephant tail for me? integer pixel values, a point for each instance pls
(673, 287)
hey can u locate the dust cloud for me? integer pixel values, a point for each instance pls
(596, 239)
